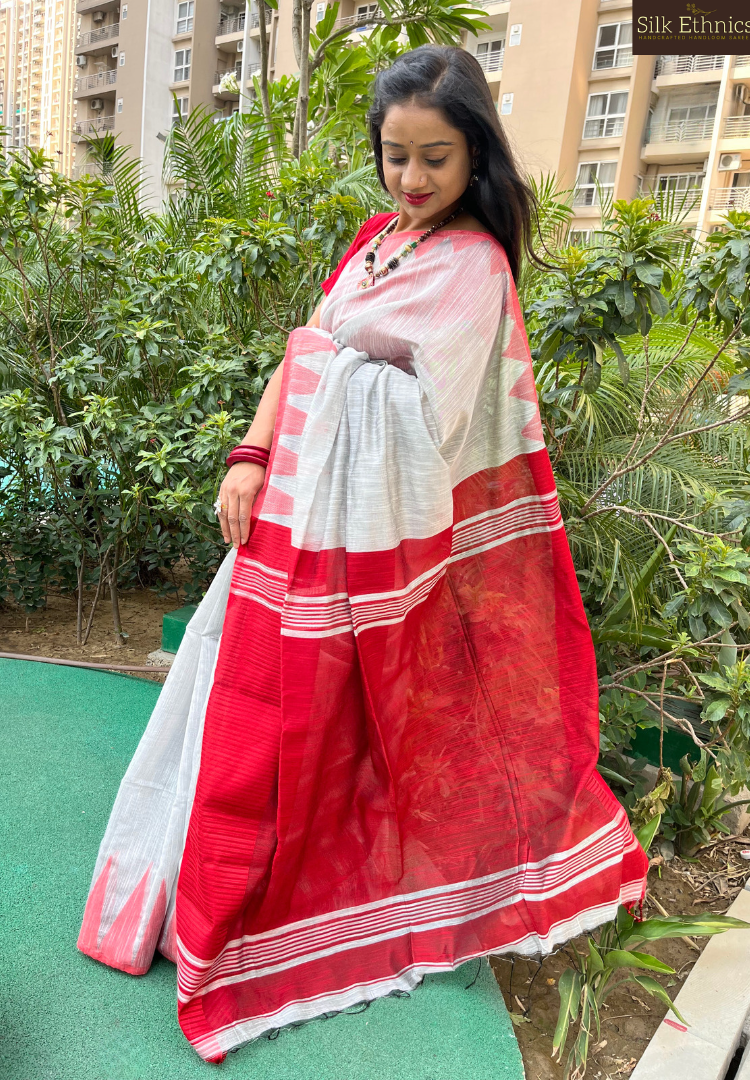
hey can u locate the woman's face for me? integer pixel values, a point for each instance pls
(426, 163)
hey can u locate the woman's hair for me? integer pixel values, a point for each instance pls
(450, 79)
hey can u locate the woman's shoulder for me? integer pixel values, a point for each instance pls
(466, 222)
(472, 237)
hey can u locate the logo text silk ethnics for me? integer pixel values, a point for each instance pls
(691, 24)
(677, 27)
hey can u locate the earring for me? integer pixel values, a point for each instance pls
(474, 167)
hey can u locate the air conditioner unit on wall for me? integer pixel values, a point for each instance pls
(97, 104)
(742, 93)
(113, 52)
(729, 162)
(239, 46)
(81, 61)
(98, 16)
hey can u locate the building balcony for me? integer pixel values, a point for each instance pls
(85, 7)
(730, 198)
(677, 141)
(235, 25)
(95, 126)
(491, 62)
(352, 20)
(736, 127)
(680, 131)
(90, 85)
(742, 61)
(255, 18)
(686, 65)
(89, 168)
(226, 83)
(97, 40)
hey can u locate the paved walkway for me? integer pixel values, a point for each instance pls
(67, 736)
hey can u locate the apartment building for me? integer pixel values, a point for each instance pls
(575, 101)
(36, 76)
(140, 63)
(571, 95)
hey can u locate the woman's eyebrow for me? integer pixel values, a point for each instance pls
(422, 146)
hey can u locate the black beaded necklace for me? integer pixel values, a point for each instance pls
(393, 262)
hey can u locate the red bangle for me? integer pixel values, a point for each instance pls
(254, 455)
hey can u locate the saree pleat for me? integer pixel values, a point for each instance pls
(398, 764)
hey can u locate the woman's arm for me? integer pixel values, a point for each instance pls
(244, 480)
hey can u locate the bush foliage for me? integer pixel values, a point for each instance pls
(136, 345)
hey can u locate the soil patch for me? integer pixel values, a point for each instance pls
(52, 631)
(630, 1016)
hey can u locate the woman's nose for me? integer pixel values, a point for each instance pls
(413, 176)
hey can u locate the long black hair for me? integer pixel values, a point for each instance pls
(450, 79)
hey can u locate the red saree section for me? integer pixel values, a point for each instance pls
(398, 763)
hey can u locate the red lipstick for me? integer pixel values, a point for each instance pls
(417, 200)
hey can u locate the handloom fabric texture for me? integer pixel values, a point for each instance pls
(397, 769)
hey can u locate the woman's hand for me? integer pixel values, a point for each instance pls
(244, 480)
(236, 496)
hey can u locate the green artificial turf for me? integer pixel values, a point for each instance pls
(68, 735)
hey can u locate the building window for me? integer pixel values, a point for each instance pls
(614, 46)
(185, 17)
(180, 109)
(122, 59)
(119, 104)
(584, 237)
(490, 54)
(595, 181)
(691, 121)
(182, 65)
(506, 105)
(363, 10)
(681, 181)
(123, 12)
(320, 12)
(605, 116)
(514, 37)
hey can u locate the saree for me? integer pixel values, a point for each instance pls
(375, 755)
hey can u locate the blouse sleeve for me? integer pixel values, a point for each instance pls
(365, 233)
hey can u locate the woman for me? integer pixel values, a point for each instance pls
(397, 769)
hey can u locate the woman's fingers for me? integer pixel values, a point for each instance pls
(245, 506)
(222, 515)
(237, 496)
(233, 518)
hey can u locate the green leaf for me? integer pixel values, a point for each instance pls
(624, 607)
(716, 710)
(654, 988)
(595, 962)
(519, 1018)
(610, 774)
(718, 611)
(645, 835)
(658, 302)
(704, 925)
(592, 377)
(712, 788)
(569, 989)
(622, 363)
(728, 651)
(643, 636)
(624, 958)
(649, 273)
